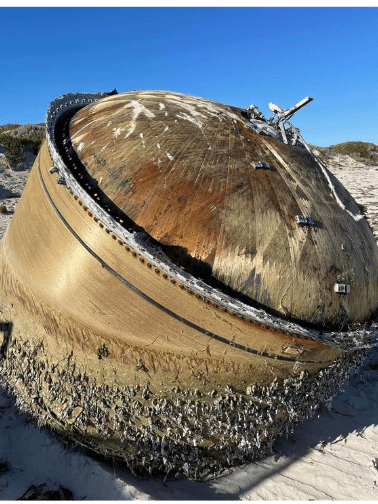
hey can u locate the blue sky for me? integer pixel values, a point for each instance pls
(237, 56)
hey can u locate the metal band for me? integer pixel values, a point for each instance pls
(152, 301)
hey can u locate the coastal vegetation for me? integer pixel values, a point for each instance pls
(16, 139)
(364, 150)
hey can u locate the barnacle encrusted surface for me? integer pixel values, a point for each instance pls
(181, 432)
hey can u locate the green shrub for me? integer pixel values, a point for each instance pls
(16, 143)
(8, 127)
(363, 149)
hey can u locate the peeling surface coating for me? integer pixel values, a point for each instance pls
(80, 147)
(192, 119)
(138, 109)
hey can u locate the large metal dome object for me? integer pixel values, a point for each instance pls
(182, 281)
(182, 168)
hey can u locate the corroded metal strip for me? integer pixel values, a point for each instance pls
(362, 338)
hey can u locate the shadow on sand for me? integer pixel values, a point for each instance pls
(6, 193)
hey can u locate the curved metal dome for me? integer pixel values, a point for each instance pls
(184, 169)
(150, 271)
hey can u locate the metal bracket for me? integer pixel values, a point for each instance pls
(342, 288)
(304, 220)
(61, 181)
(259, 164)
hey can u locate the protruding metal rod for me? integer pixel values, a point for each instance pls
(286, 114)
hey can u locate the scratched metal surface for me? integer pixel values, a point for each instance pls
(108, 343)
(181, 168)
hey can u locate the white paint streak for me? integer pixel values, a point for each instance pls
(161, 106)
(187, 117)
(158, 146)
(356, 217)
(138, 109)
(109, 123)
(169, 156)
(105, 146)
(192, 104)
(85, 126)
(218, 110)
(117, 132)
(143, 142)
(80, 147)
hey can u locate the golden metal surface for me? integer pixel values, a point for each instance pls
(102, 341)
(181, 168)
